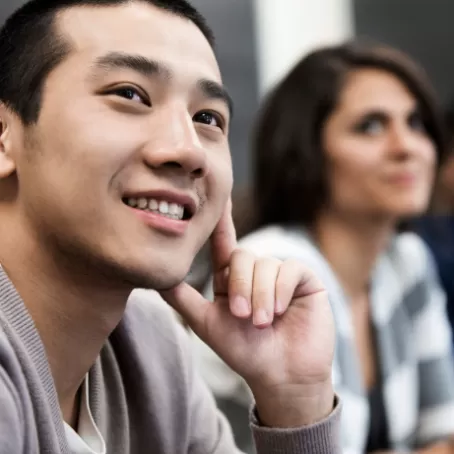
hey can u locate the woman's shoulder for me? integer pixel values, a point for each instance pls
(410, 258)
(285, 243)
(279, 241)
(409, 249)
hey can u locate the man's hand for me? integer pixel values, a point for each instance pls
(271, 322)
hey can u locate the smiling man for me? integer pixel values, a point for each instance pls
(114, 171)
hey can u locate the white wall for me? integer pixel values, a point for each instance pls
(289, 29)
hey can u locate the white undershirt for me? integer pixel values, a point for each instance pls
(88, 439)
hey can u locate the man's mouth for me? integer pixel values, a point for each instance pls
(164, 208)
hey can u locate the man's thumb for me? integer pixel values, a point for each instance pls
(190, 304)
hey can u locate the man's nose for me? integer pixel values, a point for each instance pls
(175, 144)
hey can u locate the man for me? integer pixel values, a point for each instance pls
(114, 170)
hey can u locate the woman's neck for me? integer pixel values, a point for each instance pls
(352, 247)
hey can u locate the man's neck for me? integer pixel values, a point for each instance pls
(352, 247)
(74, 316)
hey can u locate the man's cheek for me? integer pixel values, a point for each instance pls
(210, 222)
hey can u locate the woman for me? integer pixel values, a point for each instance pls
(346, 151)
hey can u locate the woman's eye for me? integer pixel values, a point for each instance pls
(208, 118)
(371, 127)
(131, 94)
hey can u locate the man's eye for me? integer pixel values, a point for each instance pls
(208, 118)
(131, 94)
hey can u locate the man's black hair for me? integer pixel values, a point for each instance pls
(31, 47)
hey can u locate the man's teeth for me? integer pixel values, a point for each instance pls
(171, 210)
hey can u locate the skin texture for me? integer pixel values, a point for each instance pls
(75, 251)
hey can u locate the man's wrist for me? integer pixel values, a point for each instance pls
(298, 407)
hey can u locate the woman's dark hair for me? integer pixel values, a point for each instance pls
(289, 179)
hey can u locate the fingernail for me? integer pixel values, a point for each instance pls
(241, 307)
(261, 317)
(278, 308)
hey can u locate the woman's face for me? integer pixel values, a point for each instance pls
(381, 161)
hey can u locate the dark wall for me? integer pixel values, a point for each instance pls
(233, 25)
(423, 28)
(7, 7)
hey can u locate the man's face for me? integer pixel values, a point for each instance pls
(128, 166)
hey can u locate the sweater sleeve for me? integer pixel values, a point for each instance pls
(11, 424)
(321, 438)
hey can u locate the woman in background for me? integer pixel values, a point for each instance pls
(347, 147)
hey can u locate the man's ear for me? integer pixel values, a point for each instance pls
(7, 158)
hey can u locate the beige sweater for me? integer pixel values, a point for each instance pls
(146, 396)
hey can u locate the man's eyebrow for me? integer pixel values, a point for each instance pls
(138, 63)
(148, 68)
(213, 90)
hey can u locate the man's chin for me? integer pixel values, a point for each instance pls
(154, 280)
(159, 273)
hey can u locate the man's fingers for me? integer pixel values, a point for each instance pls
(223, 240)
(263, 291)
(190, 304)
(265, 287)
(241, 274)
(294, 281)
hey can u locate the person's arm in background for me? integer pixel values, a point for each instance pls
(443, 447)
